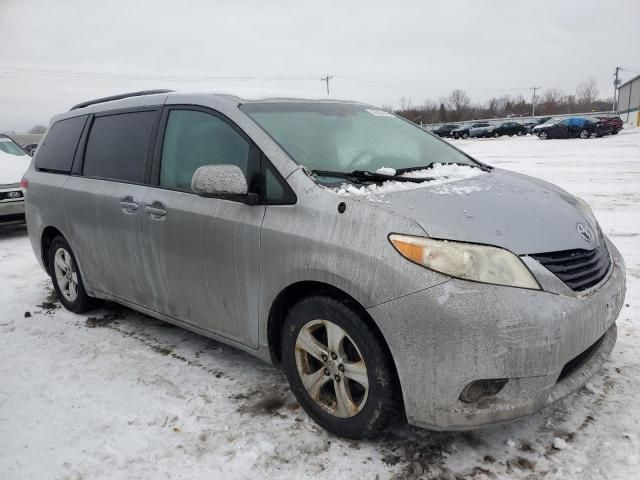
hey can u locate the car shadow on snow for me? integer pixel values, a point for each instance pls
(12, 231)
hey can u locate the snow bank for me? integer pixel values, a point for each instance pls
(440, 173)
(12, 167)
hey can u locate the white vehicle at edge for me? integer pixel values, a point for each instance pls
(14, 162)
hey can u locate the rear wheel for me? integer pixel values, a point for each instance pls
(543, 135)
(66, 277)
(465, 135)
(584, 134)
(338, 369)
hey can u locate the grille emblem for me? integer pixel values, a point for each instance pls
(585, 232)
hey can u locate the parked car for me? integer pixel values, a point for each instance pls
(14, 162)
(30, 148)
(506, 128)
(233, 218)
(477, 132)
(612, 125)
(573, 127)
(529, 126)
(463, 130)
(445, 130)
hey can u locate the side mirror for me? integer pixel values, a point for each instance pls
(222, 181)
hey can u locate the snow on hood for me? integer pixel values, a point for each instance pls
(13, 167)
(517, 212)
(440, 173)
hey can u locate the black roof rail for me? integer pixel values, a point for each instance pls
(119, 97)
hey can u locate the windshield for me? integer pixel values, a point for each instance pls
(9, 146)
(344, 137)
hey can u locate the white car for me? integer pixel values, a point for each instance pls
(14, 162)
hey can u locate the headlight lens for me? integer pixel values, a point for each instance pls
(480, 263)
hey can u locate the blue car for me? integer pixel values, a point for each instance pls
(572, 127)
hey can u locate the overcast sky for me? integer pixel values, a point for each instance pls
(57, 53)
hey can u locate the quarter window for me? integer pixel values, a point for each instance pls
(56, 152)
(193, 139)
(117, 146)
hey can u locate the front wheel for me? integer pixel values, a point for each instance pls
(67, 280)
(519, 133)
(338, 369)
(465, 135)
(543, 135)
(584, 134)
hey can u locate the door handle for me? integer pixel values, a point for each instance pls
(128, 205)
(156, 210)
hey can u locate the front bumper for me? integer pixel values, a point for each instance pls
(445, 337)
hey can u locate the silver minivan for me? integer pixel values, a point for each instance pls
(388, 273)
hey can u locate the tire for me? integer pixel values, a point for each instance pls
(496, 135)
(465, 135)
(543, 135)
(615, 132)
(63, 266)
(584, 134)
(520, 133)
(333, 399)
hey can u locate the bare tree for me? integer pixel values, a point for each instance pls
(459, 101)
(587, 92)
(551, 101)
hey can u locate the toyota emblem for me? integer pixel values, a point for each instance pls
(585, 232)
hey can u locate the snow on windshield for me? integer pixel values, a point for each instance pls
(440, 173)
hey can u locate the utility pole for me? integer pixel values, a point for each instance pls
(326, 79)
(616, 82)
(533, 100)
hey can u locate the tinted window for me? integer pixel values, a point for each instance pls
(117, 146)
(57, 150)
(193, 139)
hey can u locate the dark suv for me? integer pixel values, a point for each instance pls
(445, 130)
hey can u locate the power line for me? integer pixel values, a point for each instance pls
(143, 76)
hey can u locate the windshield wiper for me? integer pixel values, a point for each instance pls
(364, 176)
(481, 166)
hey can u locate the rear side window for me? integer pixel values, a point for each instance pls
(56, 152)
(117, 146)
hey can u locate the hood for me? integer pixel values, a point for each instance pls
(13, 167)
(501, 208)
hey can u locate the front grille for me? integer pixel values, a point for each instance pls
(579, 269)
(575, 363)
(11, 195)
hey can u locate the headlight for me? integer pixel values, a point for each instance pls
(480, 263)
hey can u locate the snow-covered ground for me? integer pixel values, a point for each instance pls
(117, 395)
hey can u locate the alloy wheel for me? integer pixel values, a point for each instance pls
(584, 134)
(66, 274)
(543, 135)
(331, 368)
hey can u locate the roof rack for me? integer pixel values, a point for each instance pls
(119, 97)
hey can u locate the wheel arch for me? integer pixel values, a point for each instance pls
(302, 289)
(48, 234)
